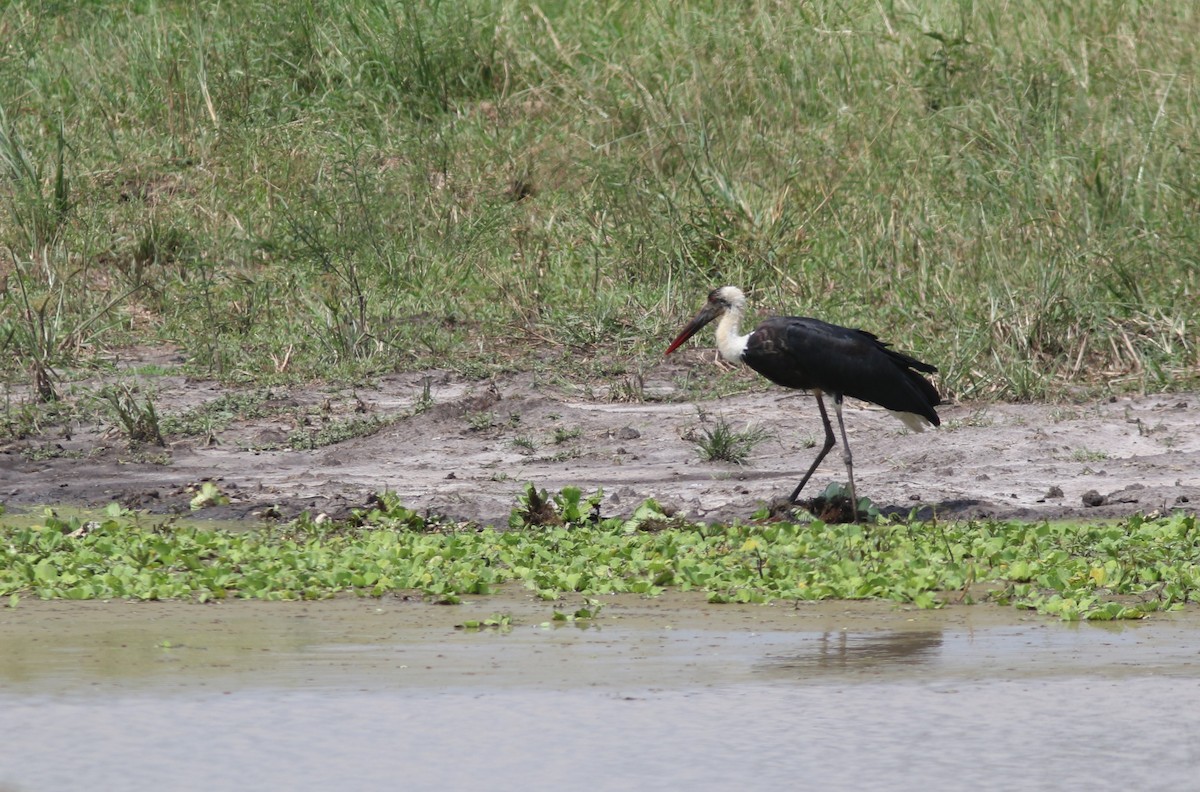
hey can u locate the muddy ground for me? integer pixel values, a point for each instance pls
(465, 449)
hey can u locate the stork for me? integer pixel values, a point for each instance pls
(808, 354)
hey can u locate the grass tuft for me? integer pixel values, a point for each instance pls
(722, 443)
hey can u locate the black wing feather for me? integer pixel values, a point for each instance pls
(804, 353)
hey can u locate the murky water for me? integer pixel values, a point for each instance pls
(664, 694)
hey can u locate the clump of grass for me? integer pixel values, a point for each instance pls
(722, 443)
(336, 431)
(425, 401)
(564, 435)
(137, 416)
(481, 421)
(40, 453)
(211, 417)
(631, 389)
(38, 201)
(21, 420)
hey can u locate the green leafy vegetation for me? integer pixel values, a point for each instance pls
(208, 494)
(1069, 570)
(299, 190)
(569, 506)
(580, 617)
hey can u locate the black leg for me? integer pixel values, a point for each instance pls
(829, 443)
(837, 407)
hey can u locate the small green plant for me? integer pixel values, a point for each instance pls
(425, 401)
(569, 507)
(580, 617)
(722, 443)
(1061, 414)
(208, 494)
(561, 456)
(631, 389)
(138, 417)
(37, 453)
(498, 622)
(978, 419)
(480, 421)
(1088, 455)
(524, 444)
(158, 245)
(563, 435)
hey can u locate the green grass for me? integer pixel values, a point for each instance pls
(722, 443)
(565, 435)
(212, 416)
(1069, 570)
(318, 189)
(1088, 455)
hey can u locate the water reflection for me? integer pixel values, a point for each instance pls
(841, 652)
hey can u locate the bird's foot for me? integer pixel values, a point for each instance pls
(832, 509)
(784, 507)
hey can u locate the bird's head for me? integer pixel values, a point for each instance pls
(726, 298)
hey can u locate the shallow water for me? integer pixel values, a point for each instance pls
(657, 694)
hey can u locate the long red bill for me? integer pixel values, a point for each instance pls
(704, 317)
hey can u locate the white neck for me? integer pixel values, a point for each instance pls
(729, 342)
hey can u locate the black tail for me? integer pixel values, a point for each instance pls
(924, 389)
(931, 397)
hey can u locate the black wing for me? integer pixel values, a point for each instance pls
(798, 352)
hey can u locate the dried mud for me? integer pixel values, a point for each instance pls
(467, 451)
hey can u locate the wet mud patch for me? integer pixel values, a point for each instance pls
(465, 450)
